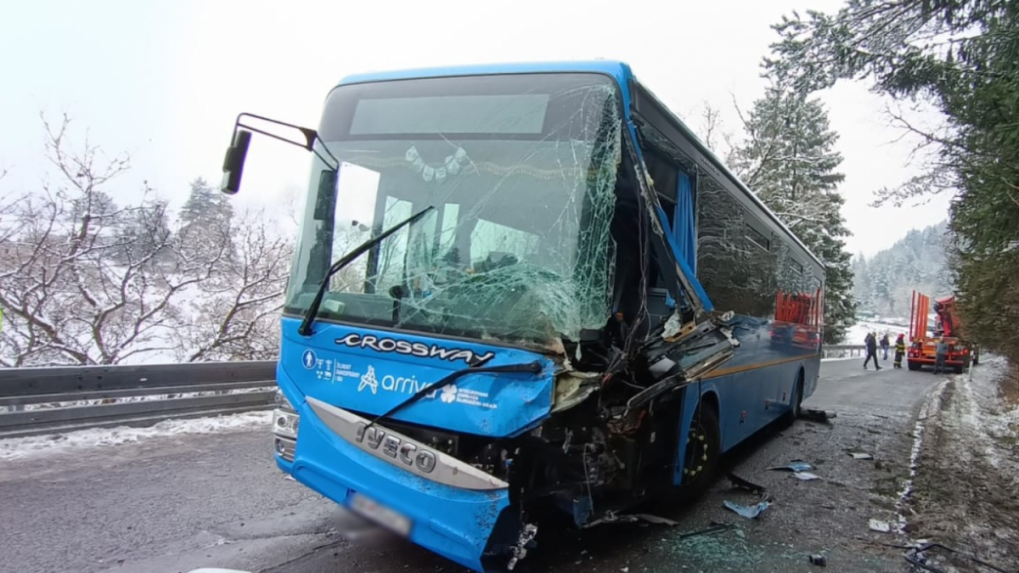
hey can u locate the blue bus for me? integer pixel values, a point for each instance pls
(523, 293)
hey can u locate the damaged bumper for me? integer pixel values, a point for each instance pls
(418, 493)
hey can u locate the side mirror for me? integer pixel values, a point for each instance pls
(233, 163)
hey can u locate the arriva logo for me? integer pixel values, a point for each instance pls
(397, 384)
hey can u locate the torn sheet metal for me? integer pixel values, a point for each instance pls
(572, 388)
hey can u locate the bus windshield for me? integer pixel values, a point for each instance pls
(520, 170)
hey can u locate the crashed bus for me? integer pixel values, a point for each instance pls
(522, 293)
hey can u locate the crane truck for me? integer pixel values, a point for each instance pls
(923, 342)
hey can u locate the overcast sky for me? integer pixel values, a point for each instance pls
(165, 80)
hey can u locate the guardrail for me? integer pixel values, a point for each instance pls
(843, 350)
(37, 401)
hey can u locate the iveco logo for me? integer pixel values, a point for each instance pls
(396, 448)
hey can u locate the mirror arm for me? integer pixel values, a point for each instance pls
(310, 135)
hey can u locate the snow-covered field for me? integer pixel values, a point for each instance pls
(858, 332)
(33, 446)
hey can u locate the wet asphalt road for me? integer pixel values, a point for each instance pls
(177, 503)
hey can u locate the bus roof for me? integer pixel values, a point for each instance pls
(618, 70)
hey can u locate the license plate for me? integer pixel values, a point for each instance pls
(380, 514)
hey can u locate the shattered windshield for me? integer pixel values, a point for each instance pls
(520, 170)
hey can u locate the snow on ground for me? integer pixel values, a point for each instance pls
(964, 492)
(32, 446)
(97, 401)
(989, 414)
(858, 332)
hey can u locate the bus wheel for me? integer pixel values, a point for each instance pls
(703, 450)
(797, 402)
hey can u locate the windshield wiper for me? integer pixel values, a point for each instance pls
(532, 367)
(309, 316)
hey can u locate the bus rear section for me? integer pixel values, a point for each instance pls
(498, 315)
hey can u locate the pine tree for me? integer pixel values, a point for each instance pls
(206, 207)
(205, 224)
(918, 261)
(789, 160)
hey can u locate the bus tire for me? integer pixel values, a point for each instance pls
(796, 402)
(701, 463)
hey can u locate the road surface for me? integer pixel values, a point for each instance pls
(176, 503)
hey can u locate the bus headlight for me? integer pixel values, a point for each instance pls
(285, 424)
(285, 419)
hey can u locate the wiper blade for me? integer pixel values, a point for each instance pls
(532, 367)
(309, 316)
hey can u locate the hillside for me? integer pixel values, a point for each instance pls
(883, 283)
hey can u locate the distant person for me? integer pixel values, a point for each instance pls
(940, 353)
(884, 346)
(900, 350)
(871, 343)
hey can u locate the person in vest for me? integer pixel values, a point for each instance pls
(900, 350)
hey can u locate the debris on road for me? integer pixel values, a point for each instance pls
(805, 476)
(794, 466)
(745, 484)
(819, 416)
(612, 517)
(861, 456)
(880, 526)
(918, 556)
(819, 560)
(714, 528)
(748, 511)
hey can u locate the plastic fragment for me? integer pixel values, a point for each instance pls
(805, 476)
(819, 560)
(861, 456)
(880, 526)
(794, 466)
(748, 511)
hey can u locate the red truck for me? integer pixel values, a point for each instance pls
(947, 325)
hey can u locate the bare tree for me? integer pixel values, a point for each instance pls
(78, 285)
(235, 314)
(713, 133)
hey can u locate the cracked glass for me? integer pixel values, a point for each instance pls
(520, 170)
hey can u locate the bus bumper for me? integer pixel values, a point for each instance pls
(472, 527)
